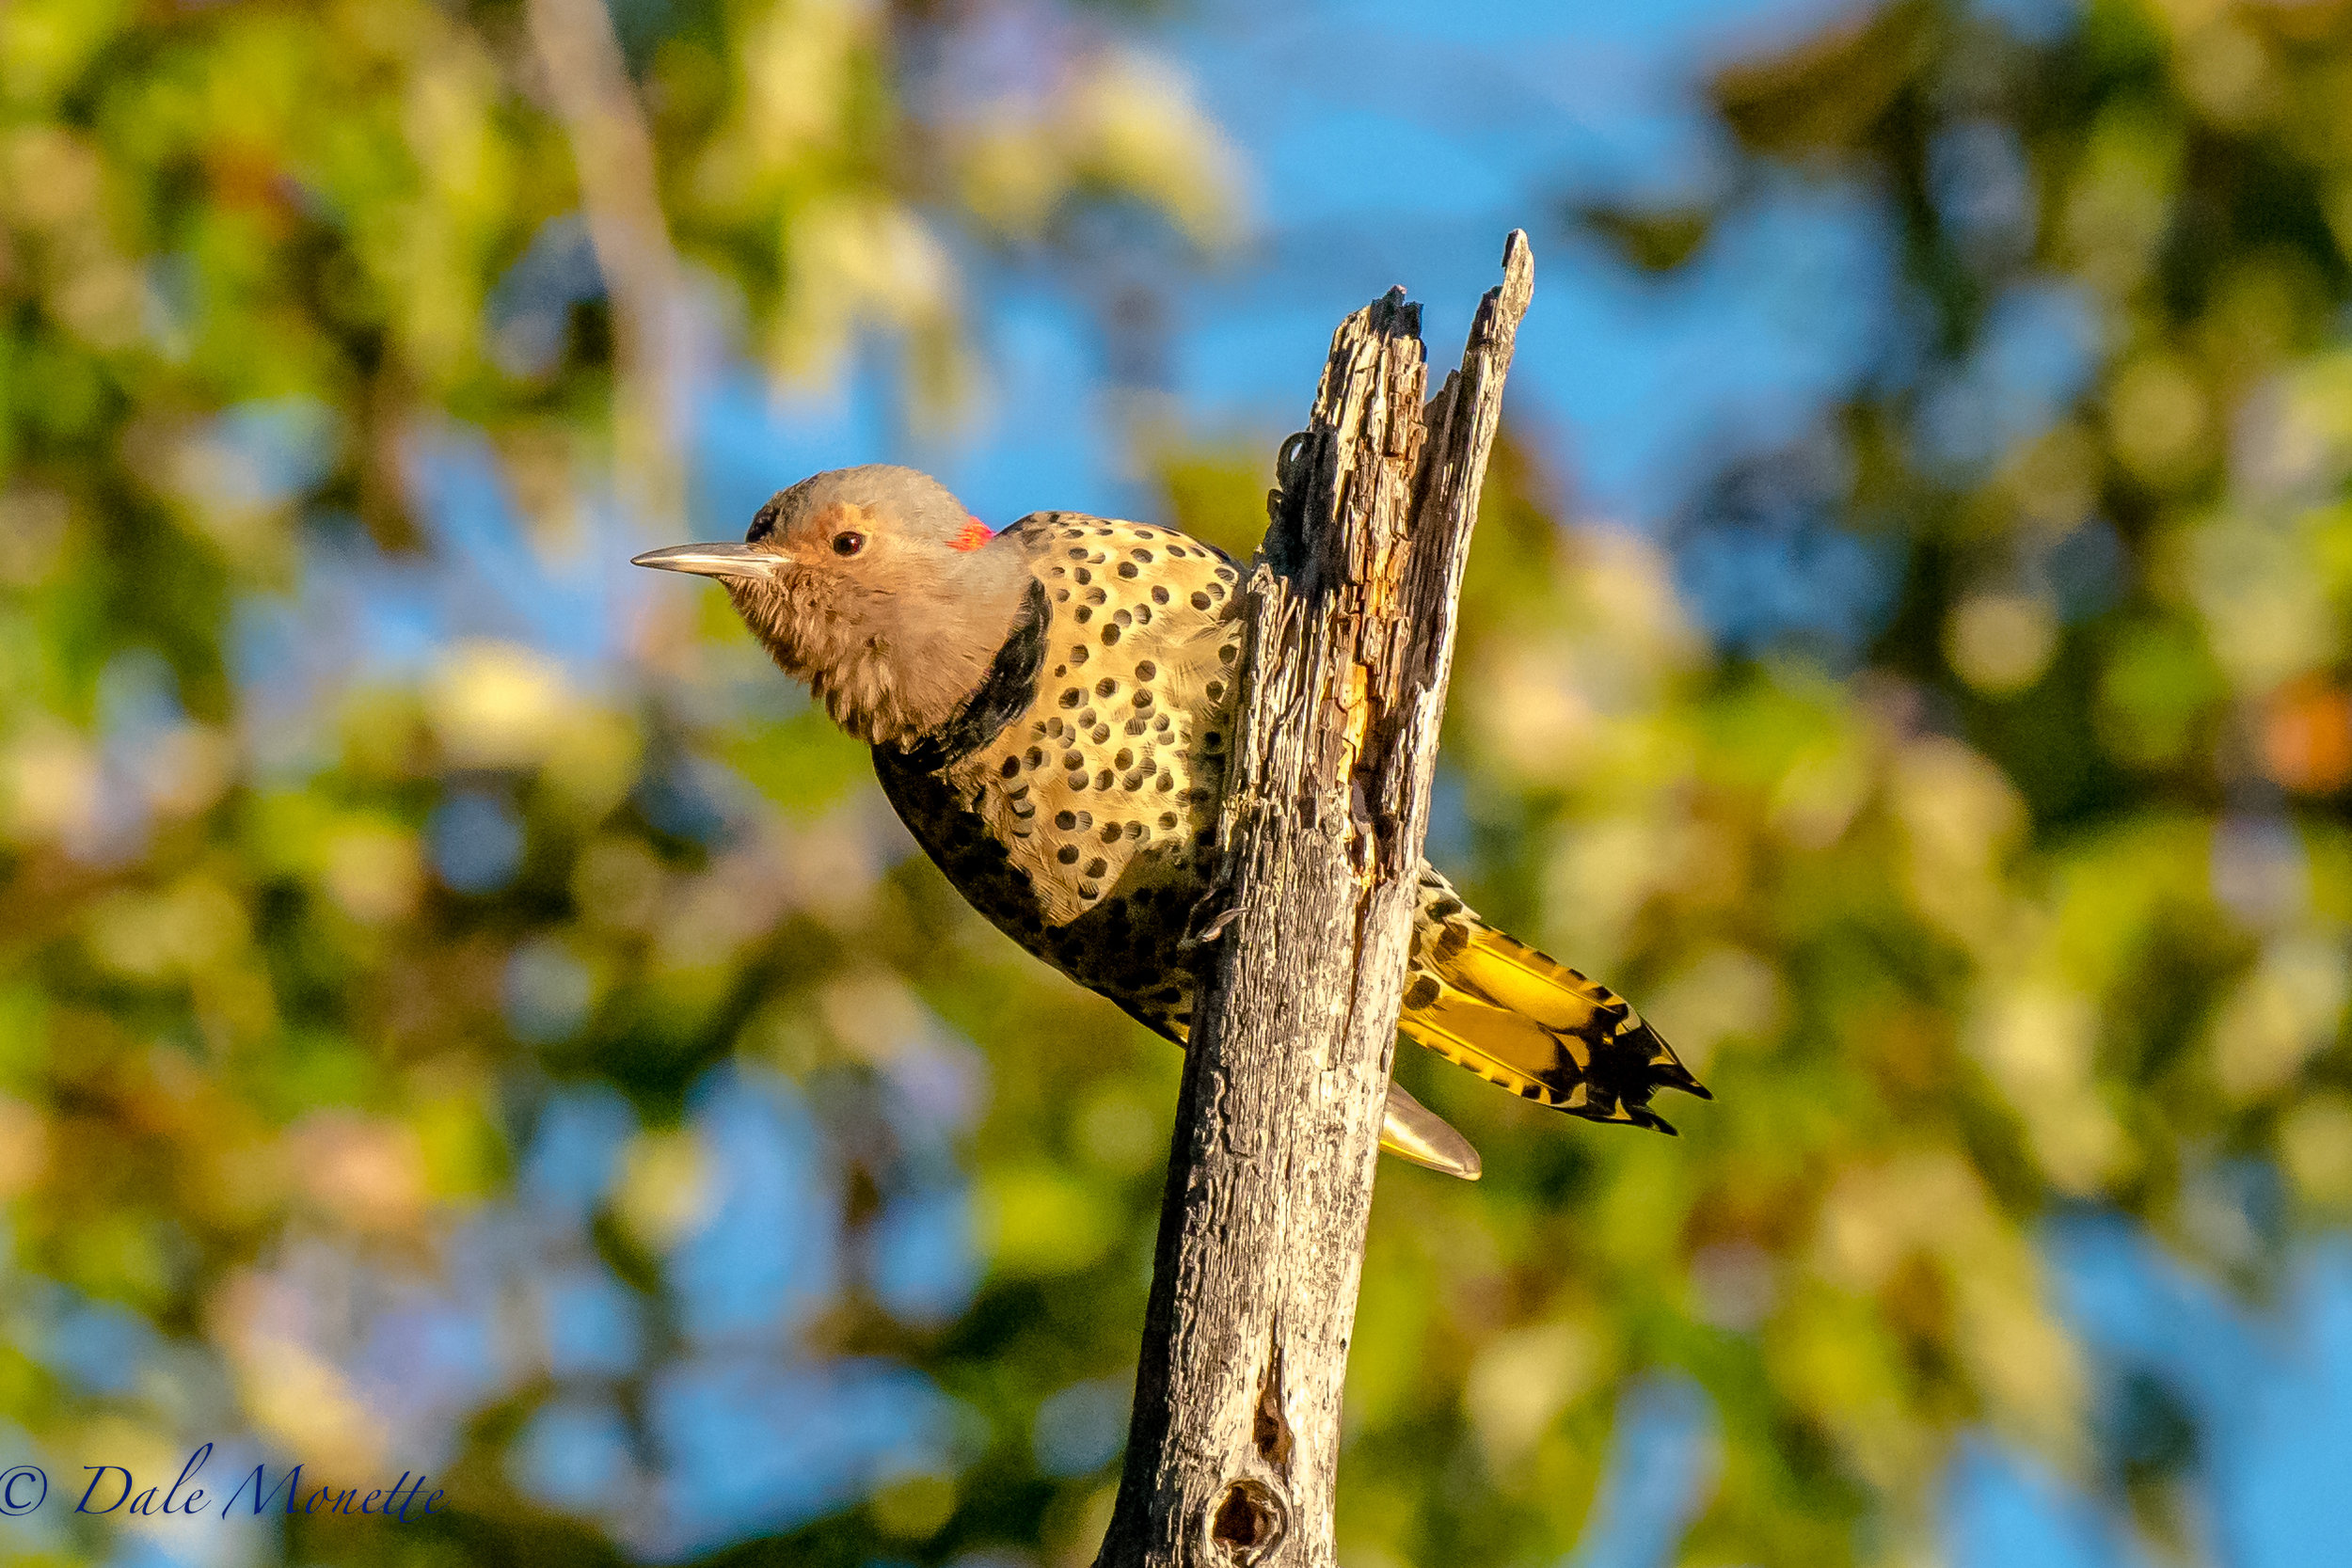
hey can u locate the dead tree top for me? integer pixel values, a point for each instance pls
(1234, 1443)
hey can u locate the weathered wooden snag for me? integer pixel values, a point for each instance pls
(1234, 1445)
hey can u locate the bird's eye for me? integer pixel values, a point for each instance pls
(848, 542)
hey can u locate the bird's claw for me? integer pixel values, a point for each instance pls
(1206, 934)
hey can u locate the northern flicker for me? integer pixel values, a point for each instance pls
(1050, 710)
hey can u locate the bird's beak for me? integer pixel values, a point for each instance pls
(716, 560)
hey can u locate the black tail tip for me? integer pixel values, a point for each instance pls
(1667, 1074)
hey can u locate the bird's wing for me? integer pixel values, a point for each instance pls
(1105, 782)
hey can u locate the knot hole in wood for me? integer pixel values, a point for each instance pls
(1247, 1520)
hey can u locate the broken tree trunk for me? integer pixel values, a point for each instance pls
(1234, 1442)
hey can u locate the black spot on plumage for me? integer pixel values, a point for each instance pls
(1072, 761)
(1200, 600)
(1072, 697)
(1082, 577)
(1096, 866)
(1135, 726)
(1065, 821)
(1105, 687)
(1084, 614)
(1127, 569)
(1102, 778)
(1143, 701)
(1010, 768)
(1159, 595)
(1110, 635)
(1423, 993)
(1145, 669)
(1227, 653)
(1067, 854)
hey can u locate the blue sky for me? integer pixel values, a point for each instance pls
(1630, 377)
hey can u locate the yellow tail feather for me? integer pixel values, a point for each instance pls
(1526, 981)
(1497, 1044)
(1517, 1018)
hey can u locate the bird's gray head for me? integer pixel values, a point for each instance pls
(877, 587)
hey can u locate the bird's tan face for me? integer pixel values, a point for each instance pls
(874, 585)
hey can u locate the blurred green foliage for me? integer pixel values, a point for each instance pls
(2034, 895)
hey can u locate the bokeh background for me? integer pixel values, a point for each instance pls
(461, 1012)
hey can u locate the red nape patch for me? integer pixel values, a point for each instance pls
(974, 535)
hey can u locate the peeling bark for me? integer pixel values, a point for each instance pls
(1234, 1447)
